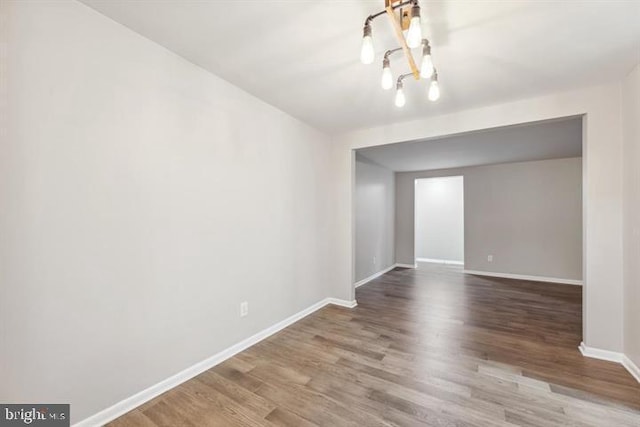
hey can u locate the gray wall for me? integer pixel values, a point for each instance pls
(143, 199)
(440, 218)
(374, 212)
(527, 215)
(631, 135)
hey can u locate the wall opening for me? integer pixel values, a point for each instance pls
(439, 220)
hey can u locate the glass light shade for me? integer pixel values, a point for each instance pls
(400, 98)
(434, 91)
(367, 54)
(414, 35)
(426, 68)
(387, 78)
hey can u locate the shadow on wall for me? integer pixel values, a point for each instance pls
(374, 215)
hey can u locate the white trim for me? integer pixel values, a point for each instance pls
(380, 273)
(342, 302)
(631, 367)
(524, 277)
(407, 265)
(132, 402)
(597, 353)
(440, 261)
(611, 356)
(373, 276)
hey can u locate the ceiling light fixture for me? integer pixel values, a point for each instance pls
(400, 97)
(368, 53)
(426, 68)
(434, 89)
(387, 75)
(414, 35)
(405, 19)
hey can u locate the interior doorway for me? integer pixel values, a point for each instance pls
(439, 220)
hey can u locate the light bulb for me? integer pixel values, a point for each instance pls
(434, 91)
(426, 68)
(367, 54)
(400, 98)
(387, 77)
(414, 36)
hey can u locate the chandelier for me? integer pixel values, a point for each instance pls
(405, 20)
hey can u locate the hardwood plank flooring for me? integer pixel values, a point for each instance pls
(425, 347)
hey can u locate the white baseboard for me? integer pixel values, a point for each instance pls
(611, 356)
(374, 276)
(380, 273)
(524, 277)
(132, 402)
(440, 261)
(631, 367)
(596, 353)
(341, 302)
(406, 265)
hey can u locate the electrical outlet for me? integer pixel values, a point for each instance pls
(244, 308)
(490, 258)
(374, 260)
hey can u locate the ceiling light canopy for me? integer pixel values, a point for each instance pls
(404, 16)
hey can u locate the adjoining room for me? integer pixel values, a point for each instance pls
(514, 210)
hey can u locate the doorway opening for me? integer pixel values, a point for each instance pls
(439, 220)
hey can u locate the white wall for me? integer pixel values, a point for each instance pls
(142, 200)
(439, 219)
(602, 189)
(631, 129)
(527, 215)
(375, 210)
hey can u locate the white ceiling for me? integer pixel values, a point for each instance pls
(535, 141)
(303, 56)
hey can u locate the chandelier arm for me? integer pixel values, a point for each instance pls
(401, 77)
(401, 4)
(372, 17)
(390, 51)
(404, 3)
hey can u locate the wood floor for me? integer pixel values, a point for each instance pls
(424, 347)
